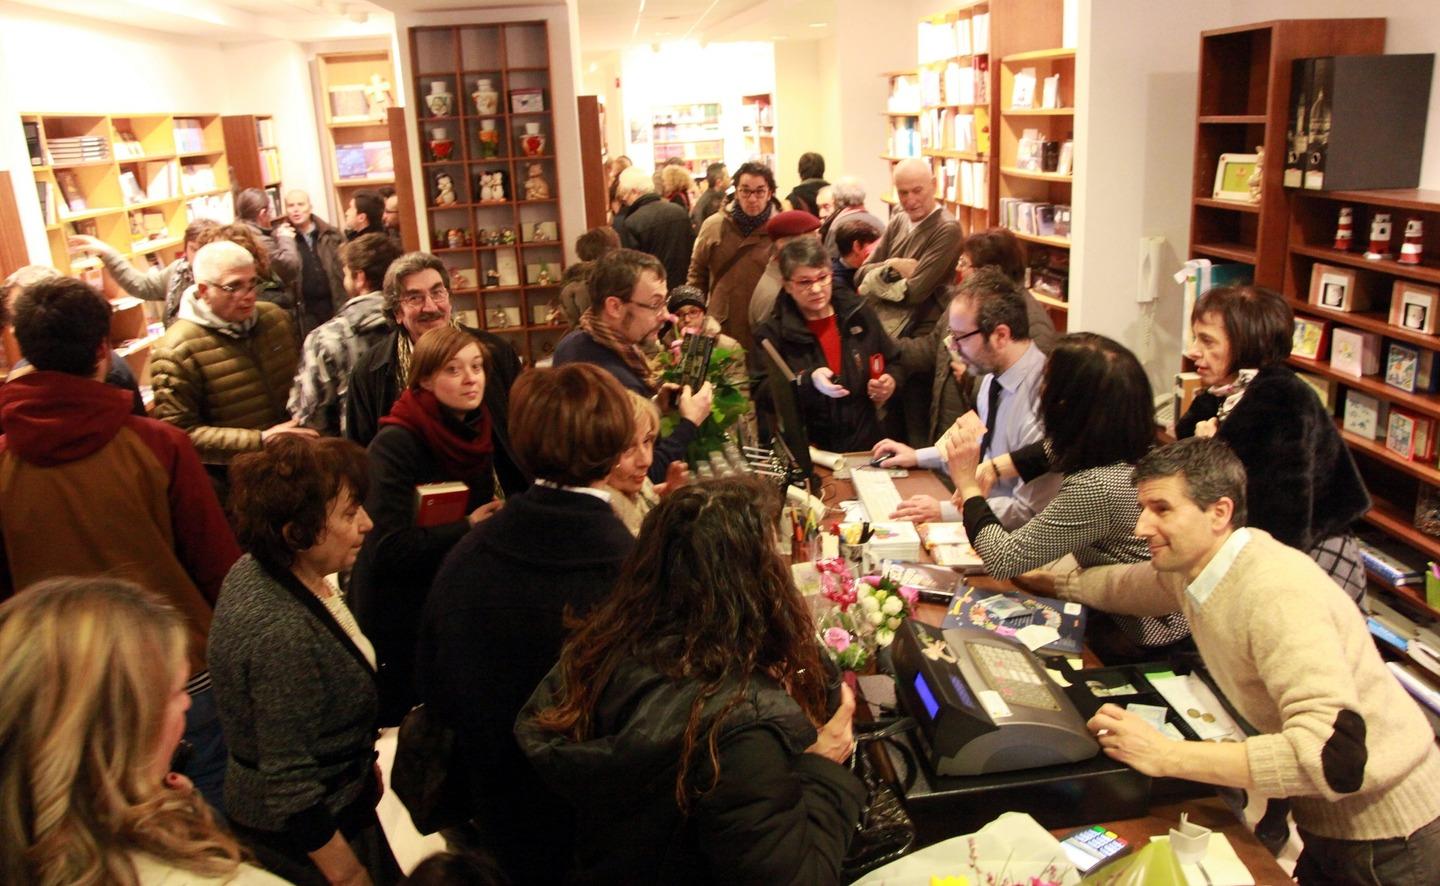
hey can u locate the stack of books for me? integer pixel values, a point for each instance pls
(1037, 219)
(78, 149)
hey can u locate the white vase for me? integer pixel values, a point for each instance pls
(439, 101)
(487, 100)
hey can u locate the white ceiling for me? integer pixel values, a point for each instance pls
(235, 21)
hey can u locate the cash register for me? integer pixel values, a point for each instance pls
(984, 704)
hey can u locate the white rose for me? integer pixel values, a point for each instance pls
(875, 617)
(884, 637)
(892, 606)
(894, 622)
(869, 604)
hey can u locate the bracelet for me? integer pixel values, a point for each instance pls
(995, 470)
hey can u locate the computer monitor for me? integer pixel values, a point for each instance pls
(789, 430)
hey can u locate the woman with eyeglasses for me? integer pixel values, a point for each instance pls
(440, 430)
(848, 367)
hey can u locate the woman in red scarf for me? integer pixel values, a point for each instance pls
(443, 429)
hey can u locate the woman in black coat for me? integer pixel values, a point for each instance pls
(828, 336)
(687, 717)
(496, 617)
(1303, 487)
(447, 426)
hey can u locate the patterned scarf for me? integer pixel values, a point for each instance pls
(748, 223)
(1232, 392)
(600, 331)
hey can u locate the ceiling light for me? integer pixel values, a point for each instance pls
(819, 24)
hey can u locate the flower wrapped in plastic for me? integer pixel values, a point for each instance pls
(866, 614)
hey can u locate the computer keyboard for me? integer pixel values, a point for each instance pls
(876, 490)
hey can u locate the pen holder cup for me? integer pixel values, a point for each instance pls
(1432, 589)
(1190, 842)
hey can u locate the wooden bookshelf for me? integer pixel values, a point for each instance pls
(356, 135)
(757, 127)
(954, 114)
(255, 156)
(512, 56)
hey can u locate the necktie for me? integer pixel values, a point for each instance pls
(990, 419)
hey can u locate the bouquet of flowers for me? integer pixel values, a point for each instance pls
(866, 614)
(729, 404)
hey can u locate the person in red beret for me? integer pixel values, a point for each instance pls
(783, 228)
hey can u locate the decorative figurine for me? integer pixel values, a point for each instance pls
(455, 238)
(543, 278)
(507, 236)
(489, 139)
(498, 320)
(441, 144)
(1379, 238)
(492, 278)
(1345, 229)
(444, 189)
(1256, 176)
(487, 100)
(377, 94)
(532, 142)
(1412, 247)
(538, 233)
(439, 101)
(492, 237)
(492, 186)
(536, 187)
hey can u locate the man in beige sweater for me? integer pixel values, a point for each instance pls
(1338, 734)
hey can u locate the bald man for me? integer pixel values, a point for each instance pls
(322, 276)
(906, 280)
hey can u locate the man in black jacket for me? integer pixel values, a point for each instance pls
(417, 299)
(654, 226)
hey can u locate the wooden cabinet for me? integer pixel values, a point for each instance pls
(255, 157)
(356, 90)
(486, 120)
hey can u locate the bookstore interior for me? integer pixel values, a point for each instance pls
(1142, 153)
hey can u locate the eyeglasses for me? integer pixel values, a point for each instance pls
(814, 282)
(952, 341)
(439, 293)
(654, 309)
(237, 287)
(752, 192)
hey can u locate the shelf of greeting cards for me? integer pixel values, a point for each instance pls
(1377, 450)
(1236, 205)
(1370, 321)
(1427, 273)
(1239, 252)
(1374, 385)
(1392, 520)
(1036, 55)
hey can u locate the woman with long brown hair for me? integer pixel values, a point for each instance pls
(93, 708)
(682, 718)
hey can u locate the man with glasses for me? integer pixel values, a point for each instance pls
(907, 275)
(223, 368)
(832, 340)
(417, 300)
(627, 307)
(732, 249)
(990, 332)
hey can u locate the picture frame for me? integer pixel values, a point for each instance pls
(1232, 177)
(1415, 307)
(1402, 365)
(1353, 352)
(1310, 337)
(527, 100)
(1336, 288)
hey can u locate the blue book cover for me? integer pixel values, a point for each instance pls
(350, 161)
(974, 608)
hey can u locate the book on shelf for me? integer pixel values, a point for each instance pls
(78, 149)
(350, 161)
(1410, 369)
(70, 190)
(1354, 352)
(32, 142)
(1022, 90)
(439, 504)
(46, 193)
(270, 160)
(265, 132)
(1365, 416)
(980, 33)
(982, 79)
(127, 146)
(161, 177)
(189, 136)
(964, 41)
(1395, 562)
(197, 178)
(130, 187)
(379, 158)
(1050, 92)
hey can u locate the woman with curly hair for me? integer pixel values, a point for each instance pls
(93, 709)
(686, 720)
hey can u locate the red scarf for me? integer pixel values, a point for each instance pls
(463, 448)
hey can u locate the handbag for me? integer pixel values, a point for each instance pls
(426, 776)
(885, 830)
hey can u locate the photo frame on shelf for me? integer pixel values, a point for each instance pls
(1232, 177)
(1336, 288)
(1310, 338)
(1415, 307)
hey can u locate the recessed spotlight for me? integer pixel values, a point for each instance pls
(819, 24)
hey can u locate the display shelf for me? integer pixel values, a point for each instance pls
(1231, 119)
(1036, 176)
(1237, 252)
(950, 155)
(1396, 524)
(1426, 273)
(1050, 301)
(249, 146)
(1426, 404)
(1057, 242)
(1235, 205)
(1369, 321)
(357, 88)
(1037, 55)
(1039, 112)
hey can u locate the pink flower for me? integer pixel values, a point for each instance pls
(837, 639)
(910, 594)
(872, 580)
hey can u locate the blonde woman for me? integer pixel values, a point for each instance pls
(632, 495)
(93, 708)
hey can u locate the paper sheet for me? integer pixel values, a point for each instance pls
(1035, 636)
(1220, 867)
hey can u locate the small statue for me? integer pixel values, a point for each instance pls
(507, 236)
(445, 189)
(377, 93)
(1379, 238)
(536, 187)
(1257, 174)
(543, 278)
(537, 233)
(455, 238)
(498, 320)
(492, 278)
(492, 237)
(1412, 247)
(1345, 229)
(492, 186)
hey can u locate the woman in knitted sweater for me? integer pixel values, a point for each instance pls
(1096, 409)
(1303, 488)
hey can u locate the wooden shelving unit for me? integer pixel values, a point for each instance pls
(757, 127)
(255, 156)
(356, 136)
(512, 56)
(902, 121)
(956, 81)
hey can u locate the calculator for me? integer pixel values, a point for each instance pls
(1090, 847)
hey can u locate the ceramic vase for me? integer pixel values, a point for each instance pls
(441, 145)
(487, 100)
(532, 142)
(489, 139)
(439, 101)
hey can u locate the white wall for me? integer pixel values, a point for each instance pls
(800, 99)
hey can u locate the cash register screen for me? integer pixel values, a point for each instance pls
(927, 698)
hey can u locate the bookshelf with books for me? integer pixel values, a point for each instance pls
(489, 177)
(132, 180)
(757, 127)
(357, 88)
(902, 120)
(691, 132)
(255, 156)
(1034, 143)
(955, 86)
